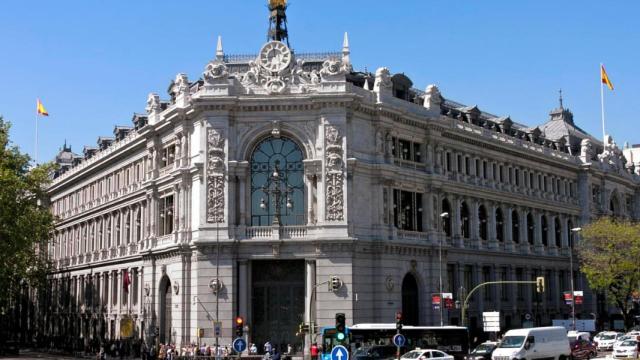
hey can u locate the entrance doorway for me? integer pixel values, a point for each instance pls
(277, 302)
(410, 301)
(165, 310)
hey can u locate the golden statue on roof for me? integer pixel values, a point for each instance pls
(277, 3)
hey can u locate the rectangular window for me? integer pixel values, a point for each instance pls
(468, 278)
(448, 161)
(168, 156)
(407, 210)
(417, 155)
(504, 289)
(467, 165)
(459, 157)
(517, 177)
(477, 162)
(486, 276)
(166, 215)
(451, 279)
(484, 169)
(520, 277)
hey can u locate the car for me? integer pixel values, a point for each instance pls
(606, 340)
(376, 352)
(482, 351)
(422, 354)
(627, 348)
(548, 342)
(582, 349)
(623, 338)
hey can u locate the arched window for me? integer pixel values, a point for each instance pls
(558, 232)
(545, 231)
(482, 219)
(410, 303)
(464, 217)
(499, 225)
(446, 221)
(530, 228)
(276, 166)
(515, 227)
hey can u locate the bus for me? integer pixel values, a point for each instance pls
(454, 340)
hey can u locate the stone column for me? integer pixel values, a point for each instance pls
(491, 226)
(537, 233)
(243, 198)
(508, 229)
(474, 222)
(455, 221)
(557, 291)
(243, 288)
(478, 279)
(428, 207)
(309, 303)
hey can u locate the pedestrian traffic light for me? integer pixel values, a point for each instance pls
(340, 322)
(540, 284)
(399, 320)
(239, 326)
(335, 283)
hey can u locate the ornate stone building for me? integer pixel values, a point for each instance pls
(241, 193)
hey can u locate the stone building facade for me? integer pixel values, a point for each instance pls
(243, 192)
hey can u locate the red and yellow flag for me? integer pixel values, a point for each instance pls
(41, 110)
(604, 78)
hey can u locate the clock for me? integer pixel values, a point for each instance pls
(274, 56)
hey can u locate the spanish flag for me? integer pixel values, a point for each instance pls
(41, 110)
(604, 78)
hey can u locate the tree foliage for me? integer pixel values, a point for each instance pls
(610, 259)
(26, 222)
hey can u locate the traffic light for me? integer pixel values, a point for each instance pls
(239, 327)
(340, 322)
(540, 284)
(399, 320)
(335, 283)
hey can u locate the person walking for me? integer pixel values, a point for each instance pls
(314, 351)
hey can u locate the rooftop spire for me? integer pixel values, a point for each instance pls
(278, 21)
(219, 51)
(346, 59)
(560, 91)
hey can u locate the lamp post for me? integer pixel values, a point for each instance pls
(573, 300)
(278, 187)
(443, 216)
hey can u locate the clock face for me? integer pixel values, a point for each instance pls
(275, 56)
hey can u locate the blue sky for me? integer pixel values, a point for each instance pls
(93, 62)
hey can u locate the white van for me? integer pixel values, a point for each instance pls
(549, 342)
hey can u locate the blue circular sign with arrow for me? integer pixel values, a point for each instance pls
(339, 352)
(399, 340)
(239, 345)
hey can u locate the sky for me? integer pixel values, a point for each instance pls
(93, 63)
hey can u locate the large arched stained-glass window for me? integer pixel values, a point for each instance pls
(284, 157)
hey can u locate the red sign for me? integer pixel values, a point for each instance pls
(436, 299)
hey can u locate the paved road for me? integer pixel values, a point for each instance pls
(29, 355)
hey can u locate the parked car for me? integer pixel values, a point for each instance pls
(376, 352)
(482, 351)
(606, 340)
(627, 348)
(575, 335)
(623, 338)
(582, 349)
(534, 343)
(423, 354)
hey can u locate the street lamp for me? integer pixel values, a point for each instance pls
(443, 216)
(573, 300)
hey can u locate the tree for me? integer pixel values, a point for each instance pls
(609, 253)
(26, 223)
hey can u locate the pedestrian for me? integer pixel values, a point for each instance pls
(314, 351)
(101, 354)
(267, 348)
(276, 354)
(289, 349)
(253, 349)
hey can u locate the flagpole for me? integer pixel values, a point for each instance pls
(36, 151)
(602, 102)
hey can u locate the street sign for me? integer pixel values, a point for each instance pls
(217, 328)
(399, 340)
(339, 352)
(491, 321)
(436, 301)
(239, 345)
(448, 300)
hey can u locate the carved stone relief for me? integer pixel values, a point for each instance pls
(334, 175)
(215, 176)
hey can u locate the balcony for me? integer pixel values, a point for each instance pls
(277, 232)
